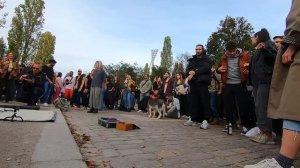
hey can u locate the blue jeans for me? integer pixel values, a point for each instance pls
(291, 125)
(47, 92)
(144, 95)
(213, 104)
(128, 99)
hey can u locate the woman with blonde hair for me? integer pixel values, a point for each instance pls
(96, 86)
(128, 93)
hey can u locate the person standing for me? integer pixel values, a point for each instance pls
(180, 92)
(87, 88)
(96, 85)
(109, 93)
(9, 70)
(277, 40)
(68, 86)
(58, 85)
(78, 89)
(261, 70)
(233, 68)
(277, 123)
(50, 80)
(145, 88)
(285, 93)
(214, 90)
(167, 85)
(199, 75)
(117, 95)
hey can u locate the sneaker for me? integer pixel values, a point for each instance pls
(263, 138)
(204, 125)
(45, 104)
(225, 129)
(139, 111)
(188, 123)
(271, 163)
(244, 131)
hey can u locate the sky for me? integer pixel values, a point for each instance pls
(126, 30)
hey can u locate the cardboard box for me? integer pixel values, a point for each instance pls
(124, 126)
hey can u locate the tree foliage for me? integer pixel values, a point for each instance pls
(26, 29)
(230, 29)
(183, 58)
(3, 16)
(178, 68)
(146, 69)
(166, 55)
(157, 71)
(45, 48)
(120, 69)
(2, 47)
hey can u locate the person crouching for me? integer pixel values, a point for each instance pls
(32, 85)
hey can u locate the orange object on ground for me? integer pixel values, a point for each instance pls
(124, 126)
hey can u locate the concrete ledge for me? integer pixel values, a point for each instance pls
(57, 147)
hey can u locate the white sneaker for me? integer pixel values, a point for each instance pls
(267, 163)
(244, 131)
(139, 111)
(204, 125)
(188, 123)
(45, 104)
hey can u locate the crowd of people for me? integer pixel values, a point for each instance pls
(236, 88)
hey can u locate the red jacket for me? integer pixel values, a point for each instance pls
(244, 58)
(169, 86)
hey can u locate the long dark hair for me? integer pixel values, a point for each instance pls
(262, 35)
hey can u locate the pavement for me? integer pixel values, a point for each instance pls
(38, 144)
(159, 143)
(162, 143)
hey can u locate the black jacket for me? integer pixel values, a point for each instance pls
(202, 66)
(262, 64)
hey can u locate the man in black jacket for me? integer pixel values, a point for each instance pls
(32, 85)
(199, 76)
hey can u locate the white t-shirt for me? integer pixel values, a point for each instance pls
(71, 85)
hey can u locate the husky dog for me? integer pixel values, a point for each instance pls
(155, 104)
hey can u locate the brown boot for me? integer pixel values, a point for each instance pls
(215, 121)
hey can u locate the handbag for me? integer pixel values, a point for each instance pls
(181, 90)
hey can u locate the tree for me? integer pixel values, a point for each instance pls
(3, 16)
(26, 29)
(183, 58)
(45, 48)
(146, 69)
(157, 71)
(166, 54)
(2, 47)
(178, 68)
(230, 29)
(122, 68)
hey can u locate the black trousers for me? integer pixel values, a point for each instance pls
(6, 84)
(199, 102)
(236, 95)
(29, 94)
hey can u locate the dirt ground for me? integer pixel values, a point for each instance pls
(17, 143)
